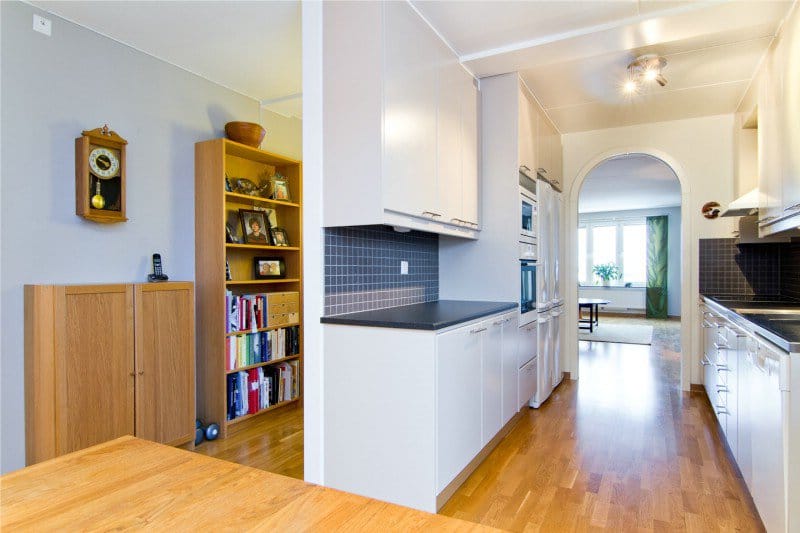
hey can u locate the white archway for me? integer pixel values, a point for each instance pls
(571, 263)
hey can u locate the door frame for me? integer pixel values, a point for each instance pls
(571, 258)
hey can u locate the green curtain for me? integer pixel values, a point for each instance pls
(657, 254)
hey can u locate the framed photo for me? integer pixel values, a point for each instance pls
(272, 216)
(279, 237)
(230, 235)
(269, 267)
(255, 228)
(280, 188)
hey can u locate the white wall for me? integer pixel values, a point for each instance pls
(700, 151)
(673, 248)
(52, 88)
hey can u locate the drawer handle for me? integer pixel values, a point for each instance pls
(477, 330)
(721, 410)
(722, 389)
(794, 207)
(526, 167)
(723, 368)
(707, 324)
(499, 322)
(540, 170)
(765, 219)
(431, 213)
(720, 346)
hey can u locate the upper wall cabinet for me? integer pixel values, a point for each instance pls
(400, 123)
(539, 141)
(779, 133)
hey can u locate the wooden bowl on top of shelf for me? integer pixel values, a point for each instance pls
(248, 133)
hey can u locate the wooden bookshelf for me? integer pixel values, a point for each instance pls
(266, 363)
(214, 207)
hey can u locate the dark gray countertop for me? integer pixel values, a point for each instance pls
(770, 316)
(430, 316)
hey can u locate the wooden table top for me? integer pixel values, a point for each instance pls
(592, 301)
(129, 483)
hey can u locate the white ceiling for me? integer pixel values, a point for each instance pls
(639, 182)
(573, 55)
(251, 47)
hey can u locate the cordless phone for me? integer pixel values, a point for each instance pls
(158, 273)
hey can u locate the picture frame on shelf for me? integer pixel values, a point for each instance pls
(279, 188)
(279, 237)
(269, 267)
(255, 227)
(228, 276)
(230, 235)
(272, 215)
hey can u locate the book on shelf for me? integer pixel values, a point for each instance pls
(250, 312)
(249, 349)
(250, 391)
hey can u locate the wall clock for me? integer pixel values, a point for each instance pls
(100, 176)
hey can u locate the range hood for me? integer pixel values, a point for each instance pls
(745, 205)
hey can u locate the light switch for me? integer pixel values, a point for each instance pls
(404, 268)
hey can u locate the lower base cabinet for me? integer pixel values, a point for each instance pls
(105, 361)
(407, 411)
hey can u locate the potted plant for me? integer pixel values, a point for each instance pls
(607, 272)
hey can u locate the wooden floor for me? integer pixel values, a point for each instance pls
(621, 449)
(271, 442)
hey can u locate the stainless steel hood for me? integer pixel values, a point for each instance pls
(745, 205)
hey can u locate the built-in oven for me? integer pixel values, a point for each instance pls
(527, 297)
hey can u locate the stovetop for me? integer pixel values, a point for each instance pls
(758, 301)
(775, 314)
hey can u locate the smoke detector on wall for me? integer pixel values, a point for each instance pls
(645, 70)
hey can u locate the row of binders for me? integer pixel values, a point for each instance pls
(253, 348)
(250, 391)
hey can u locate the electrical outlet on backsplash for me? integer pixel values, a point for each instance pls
(727, 267)
(361, 268)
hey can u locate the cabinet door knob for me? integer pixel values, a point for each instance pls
(140, 372)
(132, 374)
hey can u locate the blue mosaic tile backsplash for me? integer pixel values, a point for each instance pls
(362, 268)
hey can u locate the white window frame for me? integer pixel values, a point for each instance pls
(619, 223)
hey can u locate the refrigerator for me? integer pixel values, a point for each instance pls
(550, 304)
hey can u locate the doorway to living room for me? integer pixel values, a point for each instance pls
(629, 260)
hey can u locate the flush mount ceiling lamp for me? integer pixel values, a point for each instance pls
(644, 70)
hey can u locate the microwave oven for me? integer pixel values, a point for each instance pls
(528, 215)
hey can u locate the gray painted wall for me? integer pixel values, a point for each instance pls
(673, 247)
(52, 89)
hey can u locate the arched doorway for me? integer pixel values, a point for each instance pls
(571, 259)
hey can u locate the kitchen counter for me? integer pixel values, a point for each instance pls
(426, 316)
(774, 318)
(129, 483)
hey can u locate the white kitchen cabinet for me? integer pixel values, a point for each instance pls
(510, 368)
(400, 145)
(407, 410)
(779, 133)
(458, 400)
(768, 489)
(413, 61)
(528, 121)
(528, 350)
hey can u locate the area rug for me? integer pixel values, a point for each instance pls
(624, 333)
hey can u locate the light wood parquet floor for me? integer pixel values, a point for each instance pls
(621, 449)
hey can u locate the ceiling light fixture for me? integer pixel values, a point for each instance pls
(644, 69)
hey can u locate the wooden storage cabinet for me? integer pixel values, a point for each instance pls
(103, 361)
(214, 207)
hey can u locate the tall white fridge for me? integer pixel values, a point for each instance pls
(549, 302)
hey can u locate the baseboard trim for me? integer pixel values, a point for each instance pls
(459, 480)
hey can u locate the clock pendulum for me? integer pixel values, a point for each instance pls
(98, 202)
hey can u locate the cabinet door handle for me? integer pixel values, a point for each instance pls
(431, 213)
(477, 330)
(765, 220)
(499, 322)
(540, 170)
(707, 324)
(721, 410)
(526, 167)
(794, 207)
(704, 362)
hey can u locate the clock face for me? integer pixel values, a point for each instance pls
(104, 163)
